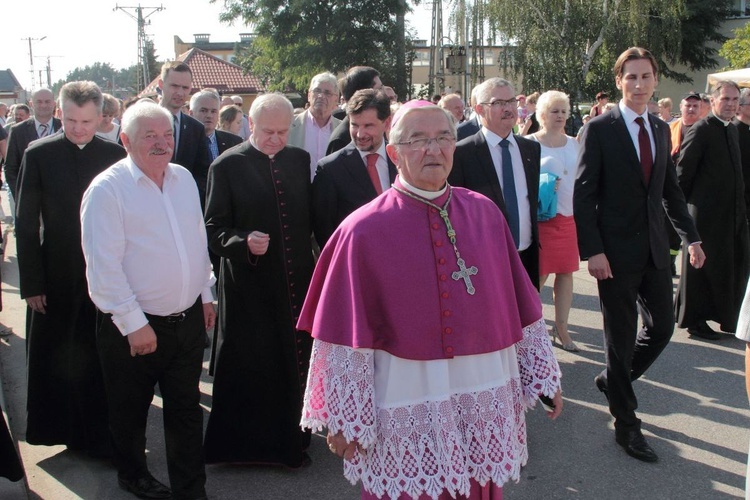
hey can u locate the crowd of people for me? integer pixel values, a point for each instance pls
(376, 265)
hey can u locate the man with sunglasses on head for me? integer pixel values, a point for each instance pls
(504, 167)
(311, 130)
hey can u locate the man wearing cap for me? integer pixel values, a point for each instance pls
(355, 175)
(709, 170)
(401, 368)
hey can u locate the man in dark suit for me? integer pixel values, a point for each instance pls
(357, 78)
(504, 167)
(21, 134)
(355, 175)
(204, 107)
(191, 147)
(471, 126)
(627, 181)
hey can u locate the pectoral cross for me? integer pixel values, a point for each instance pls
(465, 274)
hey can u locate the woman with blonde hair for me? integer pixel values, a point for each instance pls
(558, 251)
(230, 119)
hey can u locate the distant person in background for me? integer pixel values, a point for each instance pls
(3, 113)
(471, 125)
(357, 78)
(454, 104)
(665, 110)
(602, 98)
(705, 105)
(204, 107)
(531, 123)
(107, 128)
(245, 129)
(230, 120)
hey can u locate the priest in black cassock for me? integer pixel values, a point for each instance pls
(709, 170)
(66, 401)
(258, 222)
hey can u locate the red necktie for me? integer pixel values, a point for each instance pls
(372, 171)
(644, 144)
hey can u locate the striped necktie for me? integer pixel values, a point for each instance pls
(42, 132)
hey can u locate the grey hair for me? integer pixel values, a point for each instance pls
(201, 94)
(399, 133)
(144, 108)
(716, 91)
(745, 96)
(549, 99)
(274, 101)
(326, 77)
(484, 90)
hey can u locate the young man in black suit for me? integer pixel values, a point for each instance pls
(190, 145)
(627, 180)
(353, 176)
(504, 167)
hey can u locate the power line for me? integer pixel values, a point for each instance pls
(143, 73)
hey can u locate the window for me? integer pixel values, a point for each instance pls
(741, 8)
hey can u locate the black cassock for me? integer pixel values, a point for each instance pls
(709, 170)
(66, 400)
(260, 360)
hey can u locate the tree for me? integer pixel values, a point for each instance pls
(571, 45)
(737, 50)
(296, 40)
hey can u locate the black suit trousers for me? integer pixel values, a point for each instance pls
(630, 350)
(176, 366)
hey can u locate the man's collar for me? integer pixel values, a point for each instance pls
(725, 123)
(312, 119)
(138, 174)
(380, 151)
(493, 139)
(629, 115)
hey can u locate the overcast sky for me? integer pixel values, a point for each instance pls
(98, 33)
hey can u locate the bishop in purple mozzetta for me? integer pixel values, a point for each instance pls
(429, 340)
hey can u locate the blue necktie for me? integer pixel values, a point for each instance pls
(509, 192)
(213, 147)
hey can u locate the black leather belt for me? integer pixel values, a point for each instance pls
(175, 318)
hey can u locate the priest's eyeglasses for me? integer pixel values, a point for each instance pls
(423, 143)
(500, 103)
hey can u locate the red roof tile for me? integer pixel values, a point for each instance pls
(211, 71)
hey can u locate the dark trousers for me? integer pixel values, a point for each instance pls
(129, 381)
(630, 350)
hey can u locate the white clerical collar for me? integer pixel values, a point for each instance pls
(252, 141)
(427, 195)
(726, 124)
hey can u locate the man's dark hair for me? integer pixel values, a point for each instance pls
(357, 78)
(24, 107)
(178, 66)
(80, 93)
(370, 99)
(716, 90)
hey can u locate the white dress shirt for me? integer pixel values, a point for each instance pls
(519, 175)
(381, 165)
(145, 248)
(316, 140)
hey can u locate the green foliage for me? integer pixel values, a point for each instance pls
(737, 50)
(299, 38)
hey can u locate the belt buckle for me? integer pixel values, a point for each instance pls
(176, 318)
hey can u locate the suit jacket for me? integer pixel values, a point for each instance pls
(616, 212)
(473, 169)
(192, 152)
(468, 128)
(340, 137)
(341, 186)
(19, 138)
(226, 140)
(297, 132)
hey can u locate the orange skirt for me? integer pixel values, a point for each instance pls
(558, 240)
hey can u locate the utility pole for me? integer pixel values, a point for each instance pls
(48, 70)
(31, 60)
(143, 73)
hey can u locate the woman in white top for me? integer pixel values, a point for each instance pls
(558, 251)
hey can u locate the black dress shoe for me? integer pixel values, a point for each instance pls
(145, 487)
(636, 446)
(704, 331)
(601, 385)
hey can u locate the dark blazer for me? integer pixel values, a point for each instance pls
(340, 137)
(616, 213)
(473, 169)
(468, 128)
(192, 152)
(21, 134)
(341, 185)
(226, 140)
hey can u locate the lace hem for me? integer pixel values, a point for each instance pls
(430, 447)
(537, 364)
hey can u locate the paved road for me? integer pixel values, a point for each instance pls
(692, 403)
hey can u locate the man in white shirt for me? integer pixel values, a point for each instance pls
(312, 129)
(148, 270)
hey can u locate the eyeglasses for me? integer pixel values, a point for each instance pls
(500, 103)
(326, 93)
(423, 143)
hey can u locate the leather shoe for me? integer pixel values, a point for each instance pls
(636, 446)
(704, 331)
(145, 487)
(601, 385)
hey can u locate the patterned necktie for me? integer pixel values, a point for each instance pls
(213, 147)
(509, 192)
(372, 171)
(174, 132)
(42, 130)
(644, 145)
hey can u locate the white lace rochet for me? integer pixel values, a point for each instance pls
(467, 423)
